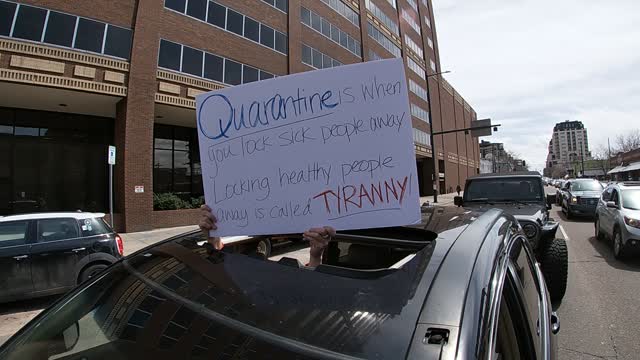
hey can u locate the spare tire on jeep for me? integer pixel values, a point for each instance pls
(555, 264)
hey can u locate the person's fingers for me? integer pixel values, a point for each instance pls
(330, 231)
(208, 213)
(205, 207)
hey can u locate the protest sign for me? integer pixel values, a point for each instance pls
(328, 147)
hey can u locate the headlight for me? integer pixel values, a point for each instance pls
(632, 222)
(530, 230)
(574, 200)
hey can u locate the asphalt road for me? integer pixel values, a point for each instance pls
(600, 314)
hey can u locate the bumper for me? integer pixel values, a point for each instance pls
(630, 237)
(585, 210)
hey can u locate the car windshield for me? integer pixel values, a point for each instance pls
(183, 297)
(631, 199)
(586, 186)
(504, 189)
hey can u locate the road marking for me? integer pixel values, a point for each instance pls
(564, 233)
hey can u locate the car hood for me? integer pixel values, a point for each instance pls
(586, 194)
(519, 211)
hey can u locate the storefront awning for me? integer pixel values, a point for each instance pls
(616, 170)
(633, 166)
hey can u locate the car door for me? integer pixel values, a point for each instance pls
(603, 212)
(613, 212)
(57, 250)
(15, 260)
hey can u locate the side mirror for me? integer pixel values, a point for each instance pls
(457, 200)
(611, 204)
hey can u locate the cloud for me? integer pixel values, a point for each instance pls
(530, 64)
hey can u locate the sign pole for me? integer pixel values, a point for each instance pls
(111, 160)
(111, 193)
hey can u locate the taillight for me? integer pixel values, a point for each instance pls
(120, 245)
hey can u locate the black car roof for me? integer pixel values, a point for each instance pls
(506, 175)
(265, 306)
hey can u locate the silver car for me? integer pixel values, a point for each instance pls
(618, 217)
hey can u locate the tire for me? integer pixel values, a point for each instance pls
(598, 231)
(618, 247)
(555, 265)
(263, 248)
(91, 271)
(569, 214)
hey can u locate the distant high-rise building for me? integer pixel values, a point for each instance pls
(568, 146)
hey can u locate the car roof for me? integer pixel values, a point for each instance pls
(51, 215)
(506, 175)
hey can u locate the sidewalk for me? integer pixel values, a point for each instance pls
(443, 199)
(137, 240)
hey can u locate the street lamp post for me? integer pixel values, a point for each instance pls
(434, 152)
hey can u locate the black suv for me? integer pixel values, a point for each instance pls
(461, 285)
(580, 197)
(50, 253)
(522, 195)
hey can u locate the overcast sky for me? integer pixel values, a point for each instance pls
(529, 64)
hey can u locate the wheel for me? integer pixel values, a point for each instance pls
(555, 265)
(263, 249)
(599, 234)
(618, 247)
(91, 271)
(569, 214)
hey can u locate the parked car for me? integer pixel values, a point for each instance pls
(559, 191)
(50, 253)
(522, 195)
(580, 197)
(389, 293)
(618, 217)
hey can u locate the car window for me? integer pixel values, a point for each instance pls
(513, 338)
(504, 189)
(606, 195)
(526, 277)
(57, 229)
(13, 233)
(586, 186)
(93, 226)
(631, 199)
(614, 197)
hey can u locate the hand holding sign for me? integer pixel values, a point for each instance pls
(329, 147)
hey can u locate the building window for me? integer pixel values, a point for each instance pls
(433, 65)
(381, 39)
(380, 15)
(282, 5)
(413, 4)
(421, 137)
(408, 17)
(430, 42)
(427, 21)
(196, 62)
(176, 162)
(374, 56)
(393, 3)
(344, 10)
(330, 31)
(60, 29)
(420, 113)
(416, 68)
(234, 22)
(413, 46)
(317, 59)
(418, 90)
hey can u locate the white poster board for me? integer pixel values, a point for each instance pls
(327, 147)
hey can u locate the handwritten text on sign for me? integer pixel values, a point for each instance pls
(328, 147)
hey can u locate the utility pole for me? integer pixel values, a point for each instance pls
(434, 151)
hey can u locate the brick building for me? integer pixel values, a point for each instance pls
(77, 76)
